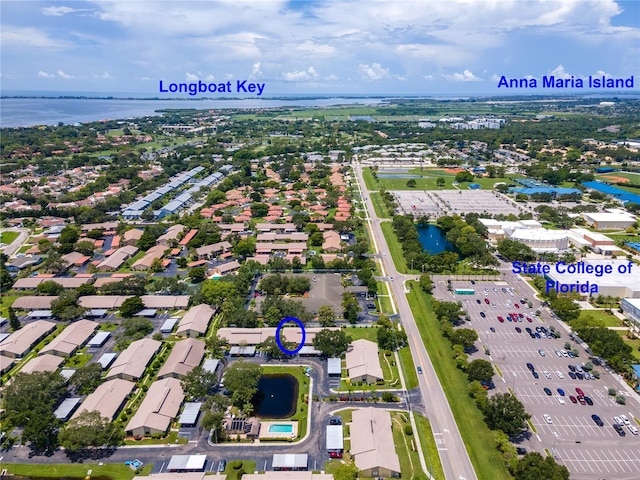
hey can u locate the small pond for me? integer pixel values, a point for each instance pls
(277, 396)
(434, 240)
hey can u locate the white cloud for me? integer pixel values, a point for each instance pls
(28, 37)
(331, 78)
(45, 74)
(301, 75)
(61, 74)
(190, 77)
(373, 72)
(466, 76)
(256, 72)
(104, 76)
(210, 78)
(560, 72)
(60, 11)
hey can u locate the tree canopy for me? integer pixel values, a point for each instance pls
(89, 430)
(332, 343)
(241, 379)
(505, 412)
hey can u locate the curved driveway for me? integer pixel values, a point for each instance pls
(453, 454)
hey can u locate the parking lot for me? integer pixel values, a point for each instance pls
(588, 450)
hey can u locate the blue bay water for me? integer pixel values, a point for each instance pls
(24, 112)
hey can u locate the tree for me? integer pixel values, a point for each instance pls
(14, 321)
(49, 287)
(479, 394)
(213, 421)
(66, 307)
(131, 306)
(565, 308)
(156, 265)
(259, 209)
(326, 317)
(241, 379)
(464, 177)
(345, 471)
(41, 429)
(197, 274)
(480, 370)
(30, 392)
(513, 250)
(216, 291)
(332, 343)
(54, 263)
(533, 466)
(86, 289)
(411, 183)
(198, 383)
(85, 247)
(245, 247)
(465, 337)
(216, 345)
(69, 234)
(136, 327)
(316, 239)
(440, 182)
(505, 412)
(89, 430)
(390, 339)
(272, 350)
(426, 283)
(86, 379)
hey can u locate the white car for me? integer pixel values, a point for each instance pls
(547, 418)
(559, 374)
(560, 399)
(618, 420)
(558, 353)
(633, 429)
(625, 420)
(546, 374)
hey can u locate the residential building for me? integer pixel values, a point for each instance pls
(42, 363)
(158, 409)
(196, 321)
(372, 443)
(363, 363)
(132, 362)
(20, 342)
(71, 338)
(107, 399)
(185, 356)
(117, 258)
(144, 263)
(171, 235)
(208, 252)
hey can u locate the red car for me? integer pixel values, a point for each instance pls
(501, 320)
(521, 315)
(579, 392)
(516, 305)
(486, 300)
(529, 319)
(582, 401)
(573, 399)
(335, 454)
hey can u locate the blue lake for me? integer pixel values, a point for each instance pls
(433, 240)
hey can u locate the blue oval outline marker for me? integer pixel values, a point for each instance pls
(304, 335)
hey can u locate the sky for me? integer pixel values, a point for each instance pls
(437, 47)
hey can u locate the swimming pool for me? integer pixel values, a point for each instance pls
(281, 428)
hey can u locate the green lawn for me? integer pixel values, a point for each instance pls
(245, 466)
(477, 437)
(430, 178)
(384, 300)
(394, 247)
(357, 333)
(608, 319)
(408, 368)
(368, 179)
(5, 302)
(303, 388)
(378, 206)
(429, 447)
(114, 471)
(8, 237)
(633, 177)
(635, 344)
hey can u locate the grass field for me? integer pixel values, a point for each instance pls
(635, 344)
(632, 177)
(368, 179)
(378, 206)
(408, 455)
(115, 471)
(248, 466)
(408, 368)
(8, 237)
(608, 319)
(357, 333)
(429, 447)
(394, 247)
(430, 178)
(487, 461)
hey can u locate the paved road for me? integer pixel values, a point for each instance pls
(17, 243)
(453, 454)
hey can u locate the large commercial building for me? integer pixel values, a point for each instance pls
(631, 309)
(611, 220)
(615, 284)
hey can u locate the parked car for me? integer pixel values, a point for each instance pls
(501, 320)
(618, 428)
(597, 420)
(561, 392)
(223, 466)
(547, 390)
(483, 315)
(633, 429)
(548, 418)
(624, 419)
(535, 374)
(518, 329)
(541, 352)
(588, 400)
(486, 300)
(546, 374)
(572, 375)
(492, 329)
(530, 366)
(579, 392)
(582, 401)
(573, 399)
(559, 374)
(478, 301)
